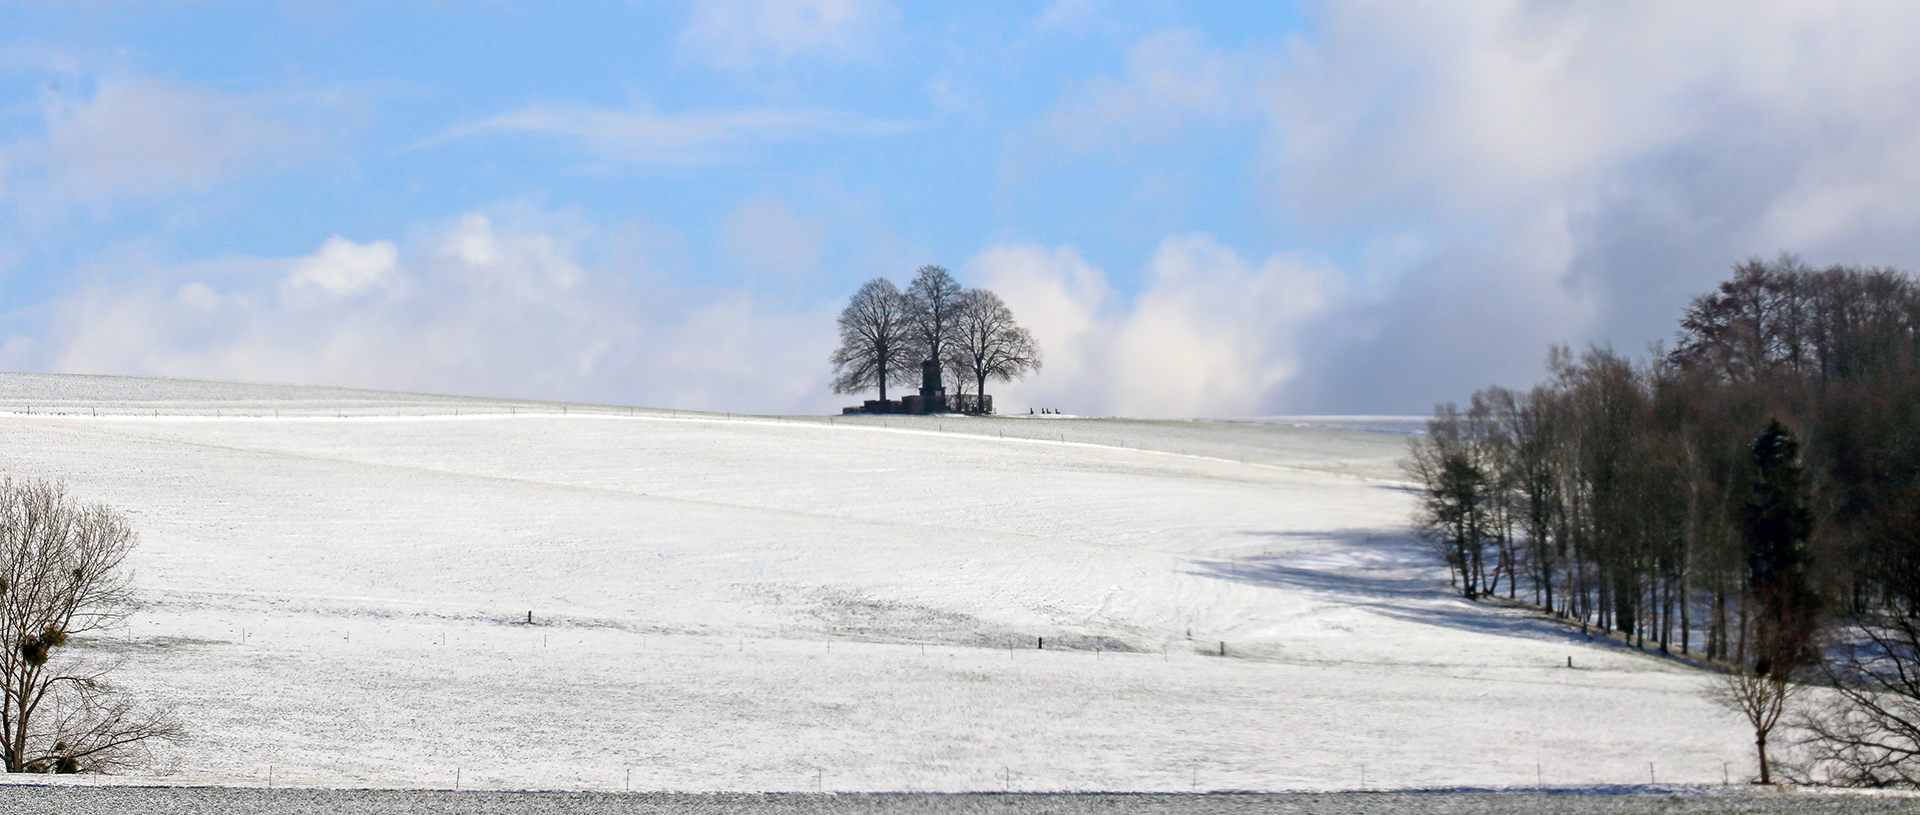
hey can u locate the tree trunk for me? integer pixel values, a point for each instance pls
(1717, 628)
(1740, 652)
(1512, 553)
(1546, 575)
(1665, 630)
(1686, 614)
(1625, 595)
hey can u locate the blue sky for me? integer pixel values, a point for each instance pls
(1199, 209)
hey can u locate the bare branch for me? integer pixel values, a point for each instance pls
(62, 575)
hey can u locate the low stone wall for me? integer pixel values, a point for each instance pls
(918, 405)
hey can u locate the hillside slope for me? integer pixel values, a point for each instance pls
(337, 583)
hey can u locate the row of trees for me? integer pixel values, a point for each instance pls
(969, 334)
(1752, 496)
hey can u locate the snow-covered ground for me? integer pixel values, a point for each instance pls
(336, 585)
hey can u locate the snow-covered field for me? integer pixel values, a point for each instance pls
(336, 585)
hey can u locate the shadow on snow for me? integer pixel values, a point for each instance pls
(1391, 574)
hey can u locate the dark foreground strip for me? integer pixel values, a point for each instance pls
(90, 800)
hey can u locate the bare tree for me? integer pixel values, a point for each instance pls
(988, 344)
(962, 376)
(1868, 731)
(1455, 498)
(933, 309)
(1762, 699)
(62, 576)
(875, 340)
(1737, 331)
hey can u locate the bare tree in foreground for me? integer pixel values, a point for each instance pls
(875, 340)
(62, 575)
(1762, 699)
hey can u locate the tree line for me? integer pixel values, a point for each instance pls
(969, 334)
(1751, 496)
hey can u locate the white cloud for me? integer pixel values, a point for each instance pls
(747, 33)
(737, 353)
(142, 138)
(1063, 301)
(1578, 171)
(486, 304)
(343, 268)
(1211, 335)
(642, 136)
(1208, 335)
(1481, 108)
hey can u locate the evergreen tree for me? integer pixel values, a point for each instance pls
(1777, 524)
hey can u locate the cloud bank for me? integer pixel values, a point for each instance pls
(1579, 171)
(1210, 334)
(482, 305)
(1500, 175)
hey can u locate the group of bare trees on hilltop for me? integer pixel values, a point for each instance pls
(1752, 497)
(969, 334)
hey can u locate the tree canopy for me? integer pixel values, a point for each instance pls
(934, 303)
(875, 340)
(988, 344)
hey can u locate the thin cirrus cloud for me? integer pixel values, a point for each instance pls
(1173, 82)
(145, 139)
(643, 136)
(745, 34)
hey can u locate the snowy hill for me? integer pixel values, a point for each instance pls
(336, 584)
